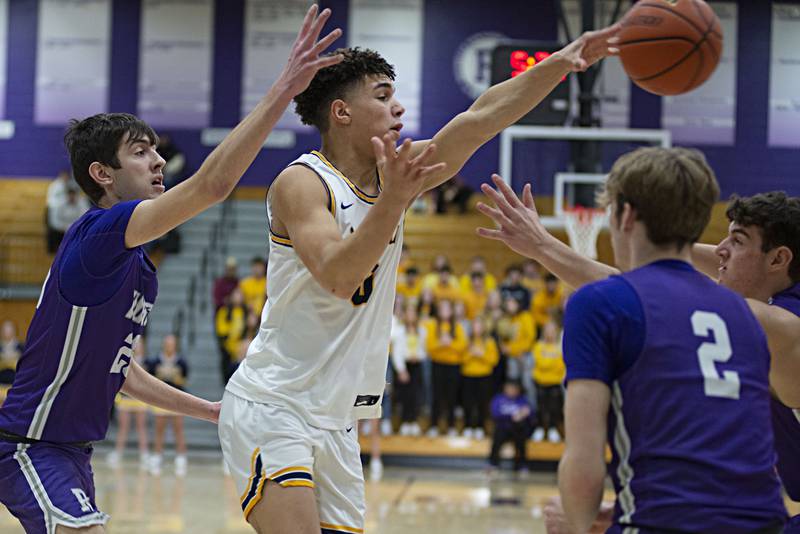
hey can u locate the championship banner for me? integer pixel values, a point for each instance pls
(3, 54)
(784, 77)
(175, 61)
(72, 60)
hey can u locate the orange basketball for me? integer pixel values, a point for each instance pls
(669, 47)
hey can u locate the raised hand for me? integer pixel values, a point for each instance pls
(591, 47)
(404, 176)
(304, 59)
(518, 223)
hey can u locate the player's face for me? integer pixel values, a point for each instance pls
(140, 175)
(742, 263)
(375, 111)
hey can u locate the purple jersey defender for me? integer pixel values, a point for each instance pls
(786, 423)
(95, 301)
(689, 421)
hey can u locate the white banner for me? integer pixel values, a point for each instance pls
(393, 28)
(3, 54)
(707, 115)
(175, 60)
(72, 60)
(613, 87)
(270, 29)
(784, 77)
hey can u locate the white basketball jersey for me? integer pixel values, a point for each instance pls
(324, 356)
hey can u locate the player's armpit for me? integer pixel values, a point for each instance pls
(783, 336)
(155, 217)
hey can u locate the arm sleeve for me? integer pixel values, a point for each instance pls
(603, 331)
(94, 269)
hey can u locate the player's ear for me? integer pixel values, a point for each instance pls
(780, 258)
(100, 174)
(628, 217)
(340, 112)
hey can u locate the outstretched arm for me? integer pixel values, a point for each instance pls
(220, 173)
(783, 335)
(145, 387)
(505, 103)
(519, 227)
(705, 259)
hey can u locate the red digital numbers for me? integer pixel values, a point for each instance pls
(521, 61)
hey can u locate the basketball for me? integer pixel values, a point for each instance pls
(669, 47)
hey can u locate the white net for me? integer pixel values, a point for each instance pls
(583, 226)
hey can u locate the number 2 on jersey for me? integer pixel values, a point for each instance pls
(364, 292)
(719, 350)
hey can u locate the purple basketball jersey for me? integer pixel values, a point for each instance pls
(689, 420)
(95, 301)
(786, 422)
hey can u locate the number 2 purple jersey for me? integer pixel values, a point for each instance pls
(94, 303)
(689, 424)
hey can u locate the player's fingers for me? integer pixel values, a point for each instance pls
(506, 191)
(494, 214)
(326, 61)
(424, 156)
(527, 197)
(424, 172)
(325, 42)
(378, 149)
(316, 27)
(404, 150)
(488, 233)
(307, 21)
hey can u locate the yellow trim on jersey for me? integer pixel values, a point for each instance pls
(341, 528)
(296, 483)
(285, 241)
(331, 196)
(369, 199)
(290, 469)
(252, 474)
(256, 498)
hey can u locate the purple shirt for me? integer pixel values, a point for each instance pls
(785, 421)
(95, 301)
(688, 423)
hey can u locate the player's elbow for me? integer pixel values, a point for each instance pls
(340, 285)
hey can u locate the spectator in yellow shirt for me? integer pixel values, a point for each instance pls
(548, 374)
(231, 326)
(480, 359)
(517, 334)
(432, 278)
(532, 277)
(478, 265)
(446, 287)
(475, 296)
(254, 287)
(547, 304)
(409, 286)
(445, 344)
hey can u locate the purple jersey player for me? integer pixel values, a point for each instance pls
(98, 295)
(694, 431)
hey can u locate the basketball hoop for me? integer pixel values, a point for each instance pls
(583, 225)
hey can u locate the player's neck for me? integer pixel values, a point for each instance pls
(357, 167)
(647, 252)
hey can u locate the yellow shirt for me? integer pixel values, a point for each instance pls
(409, 292)
(520, 335)
(480, 358)
(254, 291)
(232, 328)
(474, 303)
(534, 285)
(543, 304)
(447, 292)
(548, 364)
(451, 353)
(489, 282)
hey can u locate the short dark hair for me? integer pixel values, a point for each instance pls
(257, 259)
(97, 138)
(777, 216)
(334, 82)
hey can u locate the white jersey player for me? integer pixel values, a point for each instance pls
(319, 361)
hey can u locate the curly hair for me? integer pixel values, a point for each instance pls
(335, 81)
(777, 216)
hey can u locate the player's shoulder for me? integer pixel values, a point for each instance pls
(104, 220)
(298, 183)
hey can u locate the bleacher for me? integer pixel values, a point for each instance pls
(23, 256)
